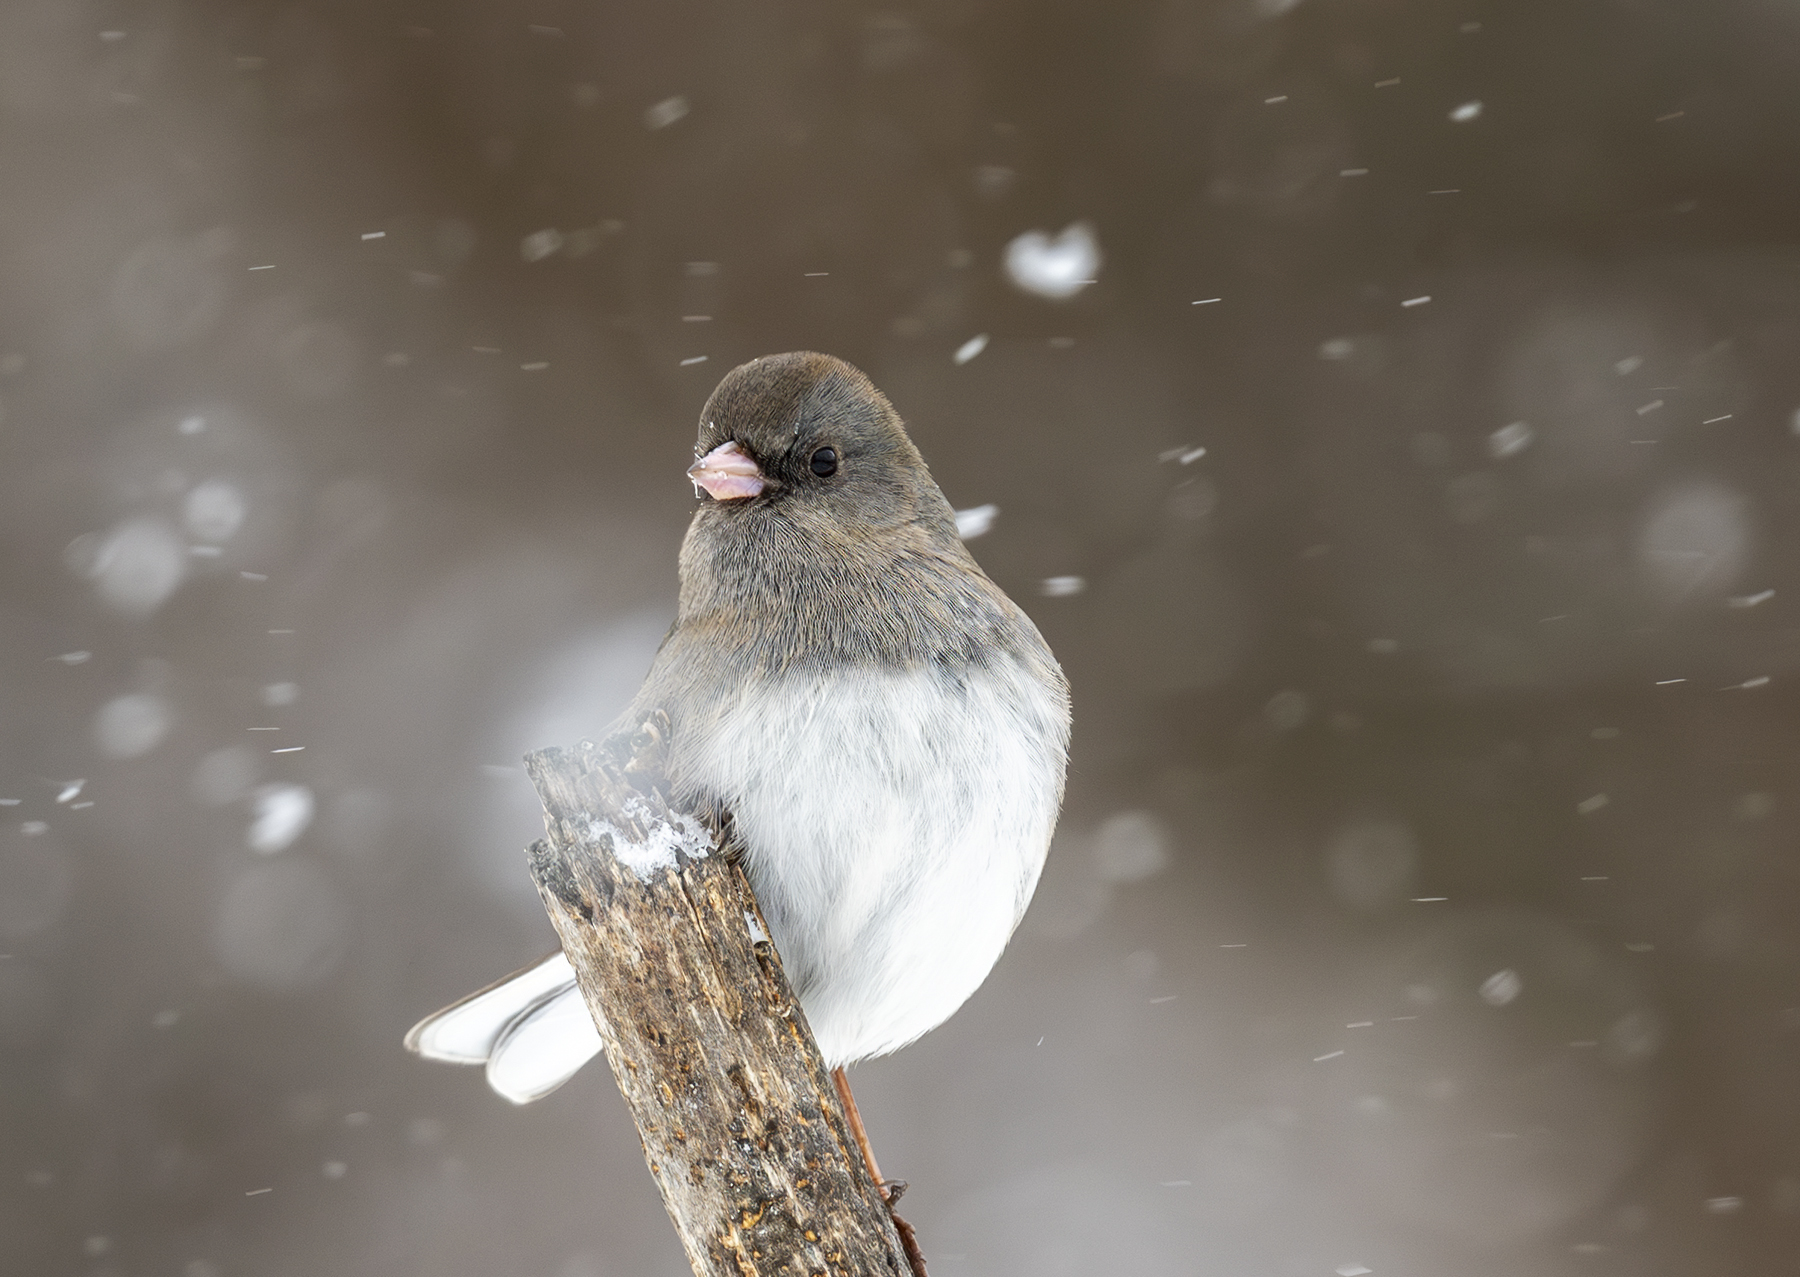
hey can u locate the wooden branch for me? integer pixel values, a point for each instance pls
(740, 1122)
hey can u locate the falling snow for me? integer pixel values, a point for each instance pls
(1056, 267)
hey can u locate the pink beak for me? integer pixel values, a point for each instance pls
(727, 473)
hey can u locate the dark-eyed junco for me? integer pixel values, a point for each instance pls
(884, 728)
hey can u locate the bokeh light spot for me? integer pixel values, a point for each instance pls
(282, 814)
(1131, 846)
(214, 511)
(1057, 268)
(132, 725)
(225, 775)
(280, 925)
(135, 567)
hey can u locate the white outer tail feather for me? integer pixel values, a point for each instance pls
(531, 1030)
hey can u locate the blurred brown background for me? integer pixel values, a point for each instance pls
(1425, 900)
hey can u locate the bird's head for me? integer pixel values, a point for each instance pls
(807, 436)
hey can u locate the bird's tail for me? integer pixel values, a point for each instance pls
(531, 1031)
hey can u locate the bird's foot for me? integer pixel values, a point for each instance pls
(909, 1240)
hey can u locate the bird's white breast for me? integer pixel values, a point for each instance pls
(894, 824)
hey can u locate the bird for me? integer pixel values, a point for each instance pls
(883, 731)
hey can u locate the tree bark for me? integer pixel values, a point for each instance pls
(739, 1118)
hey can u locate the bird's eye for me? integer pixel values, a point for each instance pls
(824, 462)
